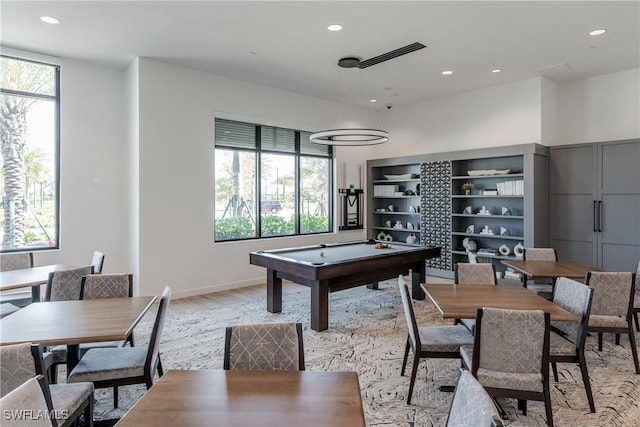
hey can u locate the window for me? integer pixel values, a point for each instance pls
(270, 182)
(29, 134)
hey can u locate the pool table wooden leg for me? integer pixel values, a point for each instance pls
(274, 292)
(418, 276)
(373, 285)
(320, 305)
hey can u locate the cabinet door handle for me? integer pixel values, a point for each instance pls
(595, 214)
(600, 216)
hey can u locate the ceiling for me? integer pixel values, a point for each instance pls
(287, 45)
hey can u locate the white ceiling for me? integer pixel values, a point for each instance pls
(286, 44)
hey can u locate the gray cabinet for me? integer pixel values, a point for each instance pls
(595, 203)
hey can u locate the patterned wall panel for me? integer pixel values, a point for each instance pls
(435, 211)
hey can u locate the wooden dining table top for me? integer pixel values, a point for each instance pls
(74, 322)
(463, 301)
(23, 278)
(250, 398)
(549, 269)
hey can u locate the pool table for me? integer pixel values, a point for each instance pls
(333, 267)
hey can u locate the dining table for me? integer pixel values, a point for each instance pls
(195, 398)
(32, 277)
(463, 301)
(549, 269)
(72, 323)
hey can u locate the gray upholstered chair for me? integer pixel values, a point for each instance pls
(612, 307)
(567, 338)
(473, 274)
(32, 396)
(6, 308)
(471, 405)
(65, 285)
(97, 261)
(510, 355)
(539, 254)
(120, 366)
(264, 347)
(428, 341)
(16, 261)
(20, 362)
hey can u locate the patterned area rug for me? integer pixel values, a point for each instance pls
(367, 334)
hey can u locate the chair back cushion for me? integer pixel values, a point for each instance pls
(611, 292)
(16, 366)
(475, 274)
(65, 285)
(97, 261)
(32, 400)
(540, 254)
(16, 261)
(98, 286)
(153, 351)
(407, 305)
(472, 405)
(263, 347)
(574, 297)
(511, 341)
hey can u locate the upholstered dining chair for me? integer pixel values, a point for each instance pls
(32, 396)
(65, 285)
(510, 355)
(96, 286)
(264, 347)
(567, 339)
(612, 307)
(16, 261)
(539, 254)
(473, 274)
(636, 298)
(97, 261)
(471, 404)
(20, 362)
(441, 341)
(120, 366)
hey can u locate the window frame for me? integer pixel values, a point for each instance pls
(56, 98)
(297, 153)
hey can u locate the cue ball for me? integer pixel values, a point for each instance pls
(321, 253)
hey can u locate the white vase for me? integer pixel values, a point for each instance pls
(518, 250)
(504, 250)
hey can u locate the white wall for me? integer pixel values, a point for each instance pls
(93, 184)
(602, 108)
(177, 107)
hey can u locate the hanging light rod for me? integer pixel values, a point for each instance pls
(350, 137)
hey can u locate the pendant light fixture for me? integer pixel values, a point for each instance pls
(350, 136)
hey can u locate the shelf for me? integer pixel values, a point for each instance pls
(384, 181)
(487, 255)
(395, 197)
(483, 196)
(468, 177)
(485, 216)
(395, 213)
(488, 236)
(396, 229)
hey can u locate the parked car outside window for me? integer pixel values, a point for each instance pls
(270, 206)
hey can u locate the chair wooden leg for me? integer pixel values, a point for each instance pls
(406, 356)
(547, 405)
(585, 379)
(160, 370)
(634, 350)
(635, 317)
(554, 368)
(115, 397)
(130, 339)
(599, 341)
(414, 372)
(53, 374)
(88, 413)
(522, 405)
(617, 339)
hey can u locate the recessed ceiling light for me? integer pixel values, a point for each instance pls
(497, 70)
(334, 27)
(447, 73)
(49, 19)
(373, 100)
(597, 32)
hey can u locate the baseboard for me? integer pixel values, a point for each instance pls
(216, 288)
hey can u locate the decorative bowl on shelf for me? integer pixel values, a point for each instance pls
(402, 176)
